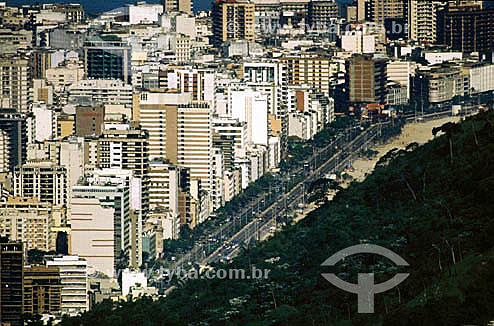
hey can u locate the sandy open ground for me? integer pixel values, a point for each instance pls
(419, 132)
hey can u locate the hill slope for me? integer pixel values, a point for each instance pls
(431, 204)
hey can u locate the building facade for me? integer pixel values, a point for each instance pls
(11, 276)
(366, 79)
(233, 20)
(108, 60)
(42, 290)
(466, 28)
(15, 73)
(74, 281)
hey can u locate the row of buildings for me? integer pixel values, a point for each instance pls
(462, 25)
(58, 286)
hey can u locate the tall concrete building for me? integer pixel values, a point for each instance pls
(166, 184)
(74, 280)
(233, 20)
(179, 131)
(125, 146)
(422, 20)
(108, 60)
(199, 82)
(30, 221)
(466, 28)
(13, 139)
(16, 81)
(320, 14)
(42, 180)
(366, 79)
(309, 69)
(230, 135)
(170, 190)
(42, 290)
(194, 142)
(11, 276)
(150, 110)
(112, 201)
(93, 233)
(133, 244)
(402, 73)
(378, 11)
(178, 5)
(274, 76)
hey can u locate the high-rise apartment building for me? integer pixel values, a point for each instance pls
(194, 142)
(30, 221)
(385, 9)
(111, 200)
(107, 60)
(178, 5)
(466, 28)
(272, 79)
(138, 207)
(74, 12)
(11, 276)
(230, 136)
(309, 69)
(93, 233)
(233, 20)
(366, 79)
(15, 83)
(179, 131)
(42, 180)
(42, 290)
(422, 20)
(165, 185)
(124, 146)
(199, 82)
(401, 72)
(378, 11)
(150, 110)
(74, 280)
(320, 14)
(40, 62)
(13, 139)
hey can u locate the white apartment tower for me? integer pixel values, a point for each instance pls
(73, 274)
(422, 20)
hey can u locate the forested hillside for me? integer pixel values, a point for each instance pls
(431, 204)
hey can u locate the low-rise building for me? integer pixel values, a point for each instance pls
(102, 91)
(42, 290)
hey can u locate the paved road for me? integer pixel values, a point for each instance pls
(288, 202)
(203, 250)
(260, 228)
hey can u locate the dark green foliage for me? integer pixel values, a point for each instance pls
(319, 190)
(434, 211)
